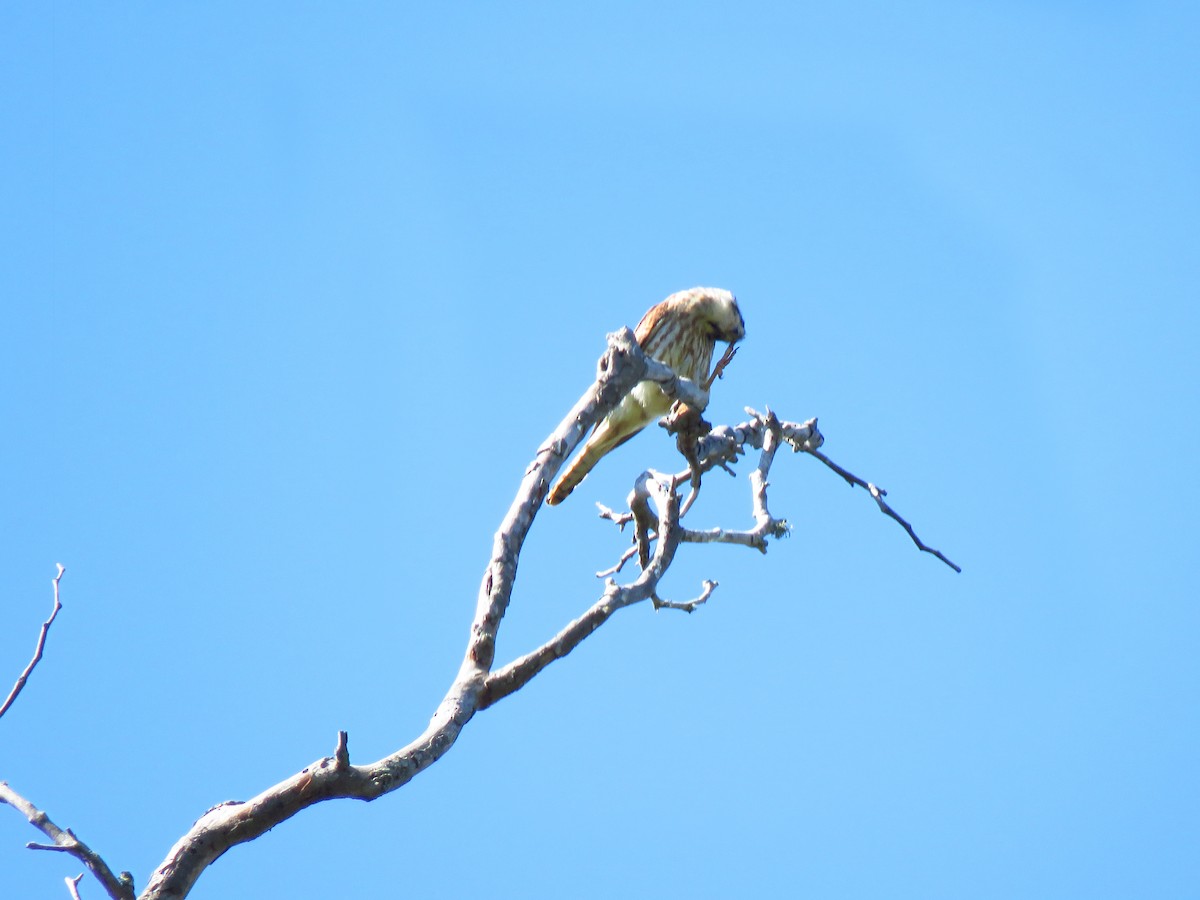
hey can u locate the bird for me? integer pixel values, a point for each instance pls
(681, 331)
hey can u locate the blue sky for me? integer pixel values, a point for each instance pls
(292, 294)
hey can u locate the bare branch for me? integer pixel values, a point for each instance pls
(41, 645)
(758, 478)
(621, 367)
(515, 675)
(724, 443)
(119, 888)
(765, 525)
(73, 886)
(620, 563)
(879, 493)
(655, 511)
(720, 446)
(687, 605)
(657, 490)
(621, 519)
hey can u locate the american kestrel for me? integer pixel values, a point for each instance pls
(681, 332)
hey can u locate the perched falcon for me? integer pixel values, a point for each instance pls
(681, 332)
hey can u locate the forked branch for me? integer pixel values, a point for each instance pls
(118, 887)
(654, 508)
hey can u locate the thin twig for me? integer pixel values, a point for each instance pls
(41, 645)
(621, 519)
(879, 493)
(686, 605)
(620, 563)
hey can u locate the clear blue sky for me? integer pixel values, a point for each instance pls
(292, 293)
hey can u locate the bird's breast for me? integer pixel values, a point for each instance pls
(650, 397)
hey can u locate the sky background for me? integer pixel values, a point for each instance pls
(292, 293)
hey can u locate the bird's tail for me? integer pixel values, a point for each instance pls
(602, 440)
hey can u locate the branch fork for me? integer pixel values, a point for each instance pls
(656, 514)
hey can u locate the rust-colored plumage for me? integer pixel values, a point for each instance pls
(681, 332)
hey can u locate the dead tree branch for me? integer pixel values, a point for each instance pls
(879, 493)
(722, 446)
(658, 533)
(765, 525)
(518, 673)
(621, 367)
(118, 887)
(41, 645)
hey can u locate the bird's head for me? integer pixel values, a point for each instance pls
(719, 308)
